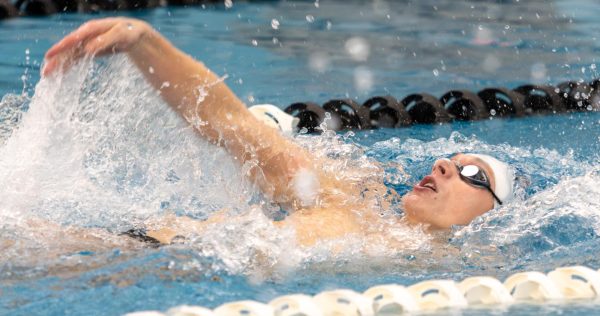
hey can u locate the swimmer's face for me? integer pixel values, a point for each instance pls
(443, 199)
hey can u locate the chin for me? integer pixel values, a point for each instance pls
(417, 209)
(410, 204)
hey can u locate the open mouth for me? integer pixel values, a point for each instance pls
(428, 183)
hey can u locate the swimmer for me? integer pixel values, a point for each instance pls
(321, 207)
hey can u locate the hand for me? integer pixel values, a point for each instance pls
(95, 38)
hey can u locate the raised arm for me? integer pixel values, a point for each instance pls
(199, 96)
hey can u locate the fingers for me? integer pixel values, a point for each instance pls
(69, 49)
(107, 43)
(95, 38)
(84, 33)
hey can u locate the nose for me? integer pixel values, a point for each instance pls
(445, 167)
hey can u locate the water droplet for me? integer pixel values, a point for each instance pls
(358, 48)
(363, 79)
(483, 36)
(436, 72)
(27, 51)
(493, 112)
(491, 63)
(310, 18)
(151, 70)
(593, 66)
(316, 3)
(328, 26)
(275, 24)
(240, 81)
(306, 186)
(251, 98)
(538, 72)
(254, 42)
(228, 4)
(318, 62)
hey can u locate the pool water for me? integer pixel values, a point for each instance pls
(98, 149)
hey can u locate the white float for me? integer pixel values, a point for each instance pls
(391, 299)
(244, 308)
(185, 310)
(484, 291)
(532, 286)
(275, 117)
(295, 305)
(343, 302)
(437, 294)
(576, 282)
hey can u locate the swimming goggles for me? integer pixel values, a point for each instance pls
(475, 176)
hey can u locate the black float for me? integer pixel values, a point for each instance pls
(348, 113)
(311, 115)
(502, 102)
(386, 111)
(541, 99)
(576, 95)
(36, 7)
(424, 108)
(464, 105)
(7, 10)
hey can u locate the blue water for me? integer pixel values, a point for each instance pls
(105, 169)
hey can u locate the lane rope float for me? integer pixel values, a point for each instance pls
(565, 284)
(462, 105)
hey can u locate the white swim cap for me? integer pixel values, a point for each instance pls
(275, 117)
(504, 177)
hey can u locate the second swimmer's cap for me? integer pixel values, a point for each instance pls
(504, 177)
(275, 117)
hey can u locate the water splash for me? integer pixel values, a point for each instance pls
(98, 148)
(12, 108)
